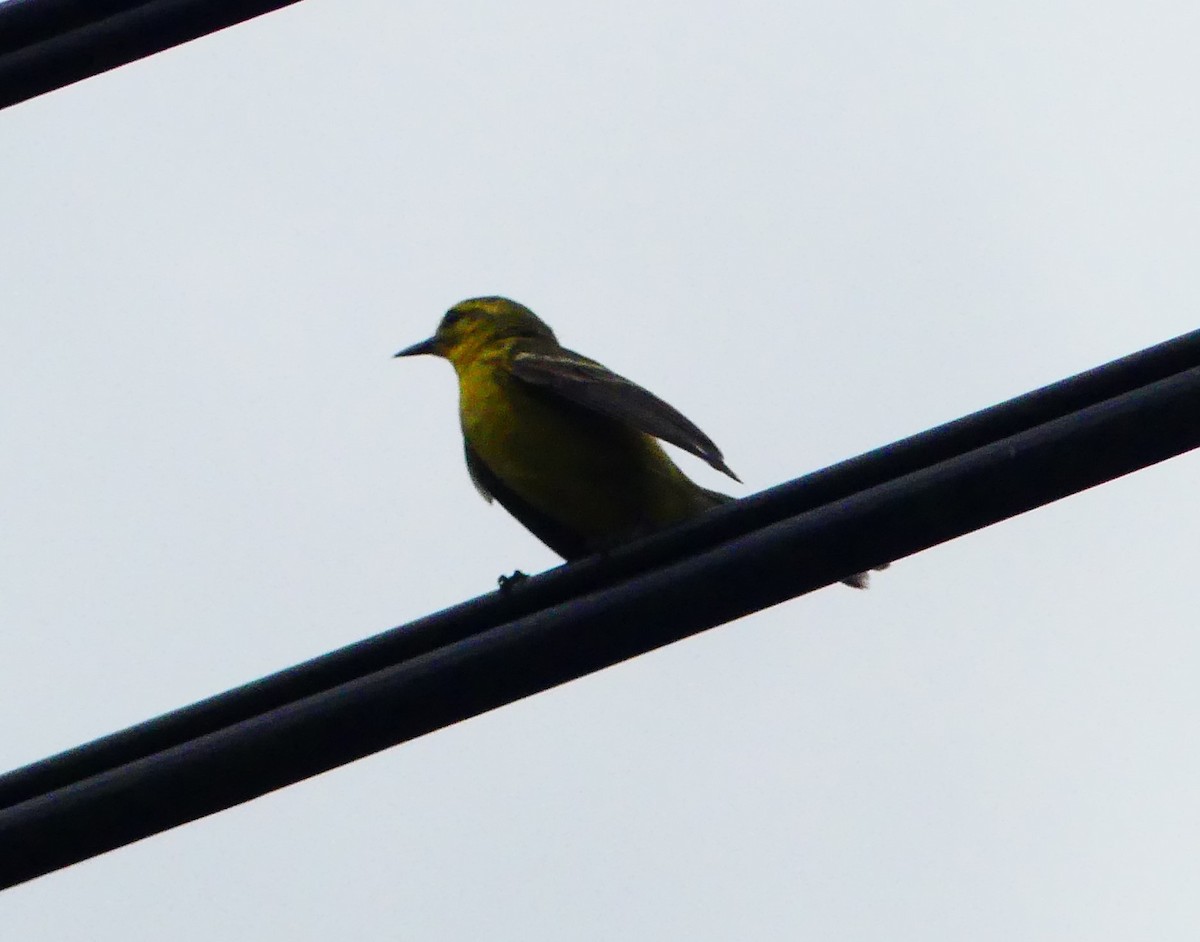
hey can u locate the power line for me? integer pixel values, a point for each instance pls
(574, 620)
(748, 514)
(46, 44)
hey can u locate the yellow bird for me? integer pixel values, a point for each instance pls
(567, 446)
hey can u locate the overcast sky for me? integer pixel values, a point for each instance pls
(814, 228)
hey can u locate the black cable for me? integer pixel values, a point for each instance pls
(26, 22)
(558, 585)
(708, 584)
(46, 44)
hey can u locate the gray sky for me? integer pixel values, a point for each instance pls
(815, 229)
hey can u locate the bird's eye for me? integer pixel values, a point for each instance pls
(452, 318)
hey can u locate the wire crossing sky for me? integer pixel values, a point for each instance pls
(454, 667)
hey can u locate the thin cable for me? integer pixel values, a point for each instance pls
(46, 44)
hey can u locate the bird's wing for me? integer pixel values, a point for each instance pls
(587, 383)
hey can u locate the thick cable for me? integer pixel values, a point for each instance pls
(558, 585)
(585, 633)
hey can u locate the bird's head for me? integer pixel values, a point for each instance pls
(472, 326)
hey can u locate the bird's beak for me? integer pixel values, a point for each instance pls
(417, 349)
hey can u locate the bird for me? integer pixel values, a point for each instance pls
(568, 447)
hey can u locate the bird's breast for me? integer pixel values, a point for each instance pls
(601, 479)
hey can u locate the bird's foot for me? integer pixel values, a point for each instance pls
(507, 583)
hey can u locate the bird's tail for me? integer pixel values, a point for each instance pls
(862, 580)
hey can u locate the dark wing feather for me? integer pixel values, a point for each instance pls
(587, 383)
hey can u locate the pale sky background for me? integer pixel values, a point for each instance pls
(815, 229)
